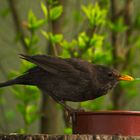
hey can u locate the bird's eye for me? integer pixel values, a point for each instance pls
(110, 74)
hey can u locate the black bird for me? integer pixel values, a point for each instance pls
(68, 79)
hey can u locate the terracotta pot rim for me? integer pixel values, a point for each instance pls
(113, 112)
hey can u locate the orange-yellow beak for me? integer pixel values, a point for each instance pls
(126, 78)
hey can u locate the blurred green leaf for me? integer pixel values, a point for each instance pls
(97, 41)
(21, 108)
(118, 26)
(44, 9)
(31, 115)
(55, 12)
(53, 38)
(18, 92)
(31, 41)
(34, 23)
(137, 21)
(39, 23)
(1, 92)
(69, 45)
(68, 130)
(27, 41)
(131, 93)
(31, 18)
(4, 12)
(136, 41)
(33, 93)
(25, 65)
(31, 109)
(10, 115)
(22, 131)
(69, 48)
(57, 38)
(45, 34)
(82, 40)
(65, 54)
(95, 14)
(97, 104)
(52, 2)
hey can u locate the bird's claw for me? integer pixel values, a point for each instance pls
(72, 113)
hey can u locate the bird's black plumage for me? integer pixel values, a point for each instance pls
(68, 79)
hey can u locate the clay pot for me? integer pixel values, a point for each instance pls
(107, 122)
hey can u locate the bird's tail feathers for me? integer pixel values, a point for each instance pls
(23, 79)
(9, 83)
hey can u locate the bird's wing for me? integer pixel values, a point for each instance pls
(79, 64)
(51, 64)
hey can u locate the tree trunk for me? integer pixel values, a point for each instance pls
(119, 49)
(52, 121)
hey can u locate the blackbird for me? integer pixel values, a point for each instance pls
(69, 79)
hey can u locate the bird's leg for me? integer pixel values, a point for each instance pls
(68, 108)
(70, 111)
(61, 102)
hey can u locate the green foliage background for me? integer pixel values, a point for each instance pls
(97, 31)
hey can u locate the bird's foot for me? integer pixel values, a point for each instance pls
(71, 114)
(70, 111)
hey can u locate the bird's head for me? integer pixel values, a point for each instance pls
(110, 77)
